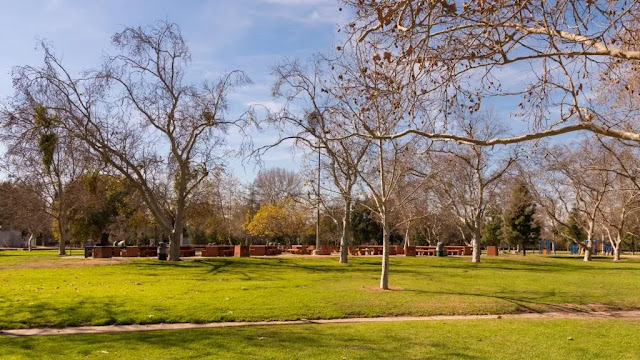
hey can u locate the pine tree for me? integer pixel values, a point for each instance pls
(572, 230)
(520, 226)
(492, 231)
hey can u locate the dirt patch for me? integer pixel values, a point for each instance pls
(65, 263)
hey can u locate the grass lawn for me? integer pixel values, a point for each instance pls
(462, 339)
(64, 293)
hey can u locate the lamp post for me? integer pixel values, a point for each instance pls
(313, 119)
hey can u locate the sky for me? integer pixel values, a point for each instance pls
(223, 35)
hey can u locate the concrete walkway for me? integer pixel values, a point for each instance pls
(629, 315)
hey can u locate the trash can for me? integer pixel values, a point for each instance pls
(87, 251)
(440, 249)
(162, 251)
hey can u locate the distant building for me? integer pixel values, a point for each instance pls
(10, 238)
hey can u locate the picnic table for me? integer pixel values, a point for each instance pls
(299, 250)
(426, 250)
(217, 250)
(187, 251)
(103, 252)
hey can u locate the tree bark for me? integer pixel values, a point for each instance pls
(384, 279)
(616, 253)
(587, 250)
(475, 244)
(346, 233)
(63, 235)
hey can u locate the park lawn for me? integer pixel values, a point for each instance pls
(288, 288)
(23, 257)
(459, 339)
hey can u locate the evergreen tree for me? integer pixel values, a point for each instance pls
(572, 231)
(492, 231)
(520, 227)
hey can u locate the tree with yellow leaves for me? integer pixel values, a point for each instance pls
(281, 220)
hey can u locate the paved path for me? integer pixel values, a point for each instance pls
(629, 315)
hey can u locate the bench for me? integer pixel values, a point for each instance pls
(187, 251)
(148, 251)
(299, 250)
(217, 250)
(131, 251)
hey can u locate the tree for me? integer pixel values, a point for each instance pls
(572, 177)
(520, 225)
(319, 127)
(276, 184)
(279, 221)
(22, 209)
(138, 115)
(572, 229)
(492, 234)
(44, 159)
(468, 177)
(566, 51)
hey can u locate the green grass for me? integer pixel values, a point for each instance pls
(462, 339)
(21, 257)
(148, 291)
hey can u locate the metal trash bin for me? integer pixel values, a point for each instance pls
(440, 249)
(162, 251)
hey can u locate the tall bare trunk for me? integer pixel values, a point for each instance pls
(176, 239)
(384, 279)
(174, 244)
(346, 233)
(407, 242)
(62, 225)
(588, 250)
(475, 244)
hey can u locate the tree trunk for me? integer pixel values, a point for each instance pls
(174, 244)
(63, 236)
(30, 240)
(524, 250)
(616, 253)
(407, 242)
(384, 279)
(475, 244)
(588, 250)
(346, 233)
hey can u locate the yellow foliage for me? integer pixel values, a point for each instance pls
(281, 219)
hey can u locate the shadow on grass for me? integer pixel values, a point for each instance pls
(294, 341)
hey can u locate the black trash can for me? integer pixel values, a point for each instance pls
(440, 249)
(87, 250)
(162, 251)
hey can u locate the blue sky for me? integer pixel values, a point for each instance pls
(250, 35)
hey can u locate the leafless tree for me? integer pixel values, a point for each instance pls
(468, 177)
(314, 114)
(571, 186)
(138, 115)
(566, 52)
(43, 159)
(276, 184)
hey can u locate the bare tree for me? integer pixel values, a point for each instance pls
(564, 50)
(277, 184)
(570, 188)
(138, 115)
(469, 177)
(42, 158)
(314, 114)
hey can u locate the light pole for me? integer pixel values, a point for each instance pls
(313, 120)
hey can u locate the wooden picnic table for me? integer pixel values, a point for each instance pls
(217, 250)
